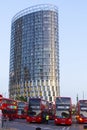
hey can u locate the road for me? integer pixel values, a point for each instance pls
(23, 125)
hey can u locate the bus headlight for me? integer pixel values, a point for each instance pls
(56, 119)
(80, 119)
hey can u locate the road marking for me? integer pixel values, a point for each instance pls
(56, 128)
(68, 128)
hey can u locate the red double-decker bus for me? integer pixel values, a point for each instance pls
(81, 110)
(35, 109)
(8, 107)
(22, 109)
(63, 113)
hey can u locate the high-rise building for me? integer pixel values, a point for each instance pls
(34, 53)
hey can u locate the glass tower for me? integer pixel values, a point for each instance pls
(34, 53)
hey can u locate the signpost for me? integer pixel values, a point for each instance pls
(1, 123)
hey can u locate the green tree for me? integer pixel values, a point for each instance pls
(21, 98)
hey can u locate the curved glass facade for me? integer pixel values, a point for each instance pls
(34, 53)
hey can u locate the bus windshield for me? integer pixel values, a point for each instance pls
(34, 113)
(83, 114)
(21, 104)
(34, 104)
(63, 100)
(63, 113)
(8, 101)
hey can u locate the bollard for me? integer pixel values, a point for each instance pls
(85, 127)
(38, 128)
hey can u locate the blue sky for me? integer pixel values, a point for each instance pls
(72, 43)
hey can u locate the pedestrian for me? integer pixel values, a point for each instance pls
(43, 117)
(47, 118)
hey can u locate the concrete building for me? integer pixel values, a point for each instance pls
(34, 53)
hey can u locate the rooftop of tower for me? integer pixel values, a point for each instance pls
(34, 9)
